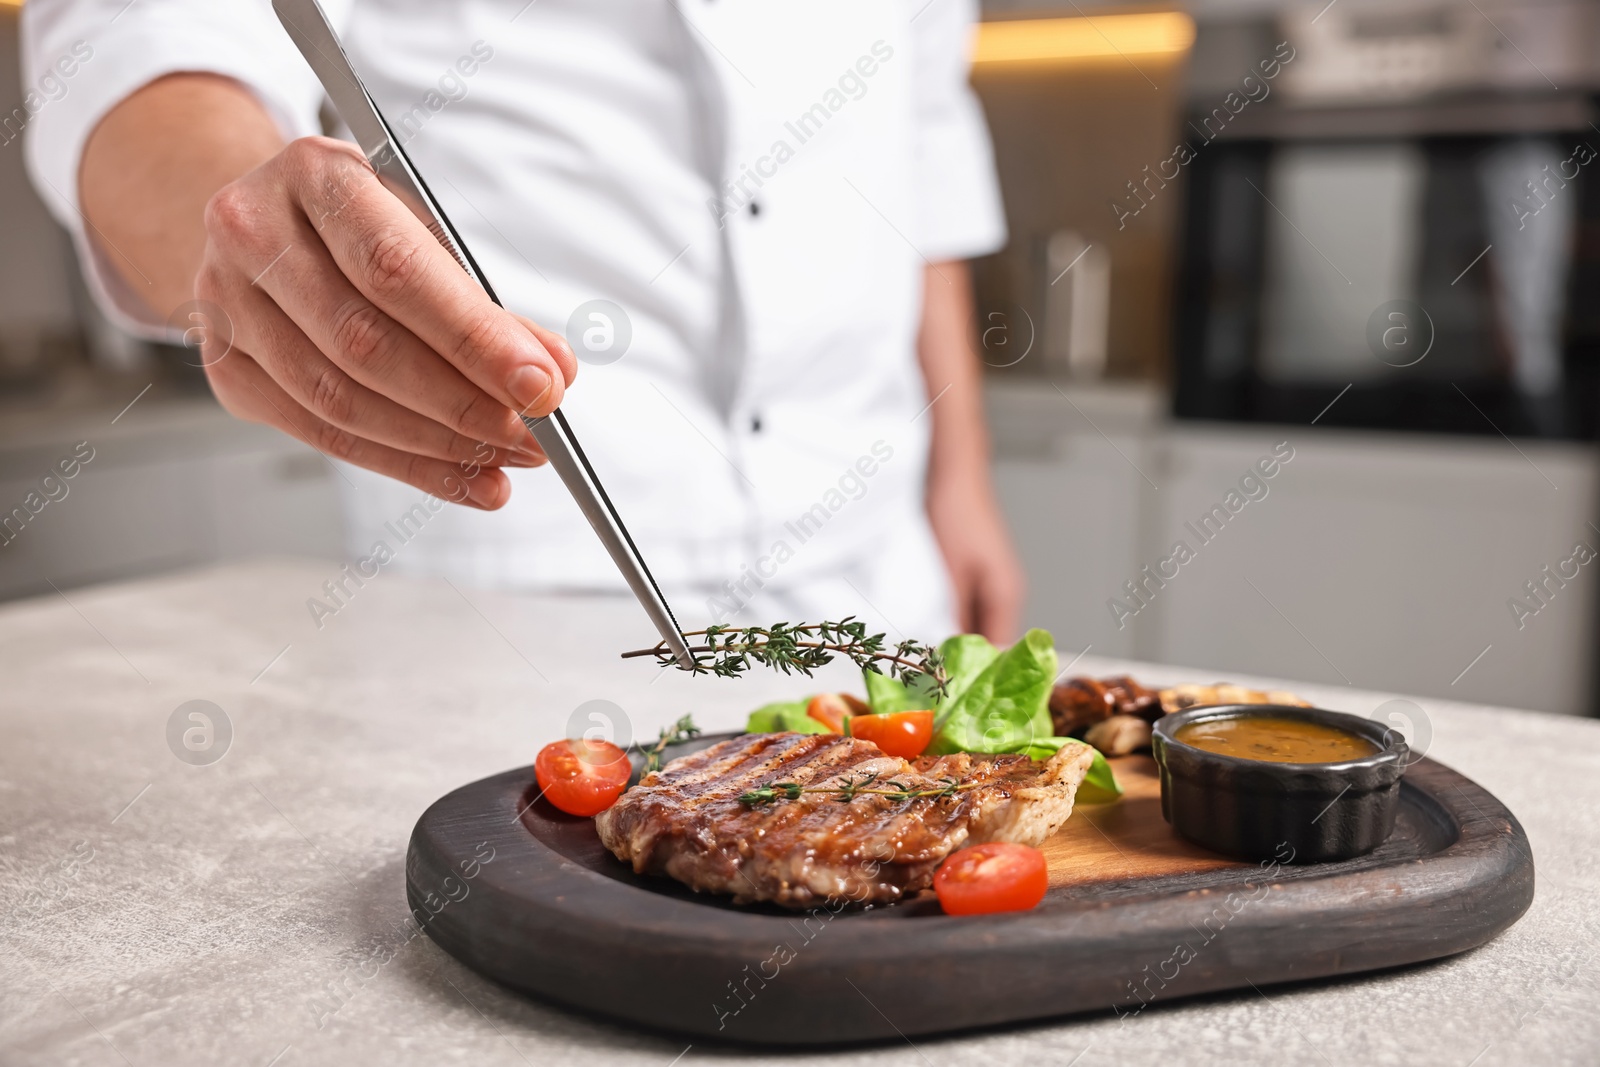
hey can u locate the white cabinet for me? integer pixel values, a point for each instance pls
(1390, 561)
(1068, 471)
(171, 484)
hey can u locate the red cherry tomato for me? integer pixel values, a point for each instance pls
(830, 710)
(582, 777)
(998, 876)
(897, 733)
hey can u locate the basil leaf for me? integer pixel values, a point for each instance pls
(783, 715)
(1007, 703)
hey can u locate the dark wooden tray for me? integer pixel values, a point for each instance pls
(1134, 917)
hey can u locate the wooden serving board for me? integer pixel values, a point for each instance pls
(1134, 917)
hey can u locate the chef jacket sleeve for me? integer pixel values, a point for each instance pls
(80, 58)
(959, 214)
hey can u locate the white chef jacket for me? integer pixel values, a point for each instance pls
(757, 184)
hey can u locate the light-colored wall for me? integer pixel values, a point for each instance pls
(1387, 561)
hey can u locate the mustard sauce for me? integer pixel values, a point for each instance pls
(1276, 739)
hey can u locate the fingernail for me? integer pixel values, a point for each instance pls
(483, 491)
(522, 458)
(529, 385)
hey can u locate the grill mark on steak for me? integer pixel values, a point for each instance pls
(686, 821)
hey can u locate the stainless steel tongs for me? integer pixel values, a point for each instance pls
(314, 36)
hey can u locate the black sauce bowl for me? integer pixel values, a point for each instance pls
(1292, 812)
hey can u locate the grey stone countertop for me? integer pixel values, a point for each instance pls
(161, 913)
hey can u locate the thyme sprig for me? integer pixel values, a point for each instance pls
(848, 789)
(676, 734)
(801, 648)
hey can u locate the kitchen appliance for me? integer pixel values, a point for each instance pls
(1403, 237)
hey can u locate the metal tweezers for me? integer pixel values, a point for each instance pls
(315, 37)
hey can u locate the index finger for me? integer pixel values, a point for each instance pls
(397, 264)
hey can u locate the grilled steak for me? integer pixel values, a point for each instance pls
(687, 820)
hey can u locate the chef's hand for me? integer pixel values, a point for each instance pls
(966, 519)
(338, 319)
(354, 330)
(984, 570)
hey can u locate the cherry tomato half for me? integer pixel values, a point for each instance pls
(582, 777)
(897, 733)
(994, 877)
(831, 710)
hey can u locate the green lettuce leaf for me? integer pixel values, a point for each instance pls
(783, 715)
(1099, 785)
(1006, 704)
(886, 694)
(994, 702)
(965, 657)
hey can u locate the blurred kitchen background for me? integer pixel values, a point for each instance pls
(1367, 228)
